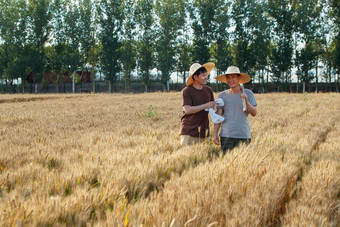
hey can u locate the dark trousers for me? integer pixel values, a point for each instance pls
(230, 143)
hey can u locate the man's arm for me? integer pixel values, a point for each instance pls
(251, 109)
(194, 109)
(216, 139)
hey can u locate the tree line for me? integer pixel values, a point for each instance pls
(272, 40)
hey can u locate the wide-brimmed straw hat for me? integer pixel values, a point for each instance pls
(245, 78)
(196, 66)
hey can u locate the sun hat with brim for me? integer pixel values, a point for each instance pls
(196, 66)
(245, 78)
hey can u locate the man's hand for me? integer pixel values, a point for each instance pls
(194, 109)
(210, 104)
(216, 140)
(251, 109)
(245, 97)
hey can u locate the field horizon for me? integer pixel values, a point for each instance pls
(116, 160)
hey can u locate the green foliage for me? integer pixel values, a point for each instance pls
(94, 182)
(52, 163)
(221, 52)
(36, 59)
(110, 15)
(203, 15)
(305, 97)
(220, 46)
(60, 36)
(306, 60)
(72, 58)
(282, 52)
(18, 67)
(92, 214)
(171, 14)
(337, 52)
(2, 60)
(150, 113)
(306, 15)
(67, 189)
(128, 49)
(14, 36)
(39, 17)
(87, 24)
(260, 32)
(252, 35)
(146, 38)
(184, 58)
(39, 31)
(77, 78)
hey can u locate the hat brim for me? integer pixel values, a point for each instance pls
(208, 66)
(245, 78)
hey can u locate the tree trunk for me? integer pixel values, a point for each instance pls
(92, 80)
(115, 85)
(6, 85)
(92, 74)
(11, 86)
(262, 81)
(328, 66)
(330, 81)
(184, 78)
(73, 83)
(316, 75)
(57, 85)
(303, 87)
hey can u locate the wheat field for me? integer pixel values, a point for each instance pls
(116, 160)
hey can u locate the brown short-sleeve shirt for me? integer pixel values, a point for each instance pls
(197, 124)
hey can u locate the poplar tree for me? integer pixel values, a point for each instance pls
(202, 13)
(282, 41)
(324, 37)
(184, 49)
(2, 58)
(241, 15)
(88, 27)
(306, 16)
(39, 31)
(221, 45)
(184, 57)
(110, 15)
(335, 13)
(72, 57)
(260, 28)
(128, 49)
(171, 15)
(57, 54)
(14, 36)
(146, 39)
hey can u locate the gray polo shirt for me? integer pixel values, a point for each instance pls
(236, 123)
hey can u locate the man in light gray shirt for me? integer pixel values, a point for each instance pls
(238, 104)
